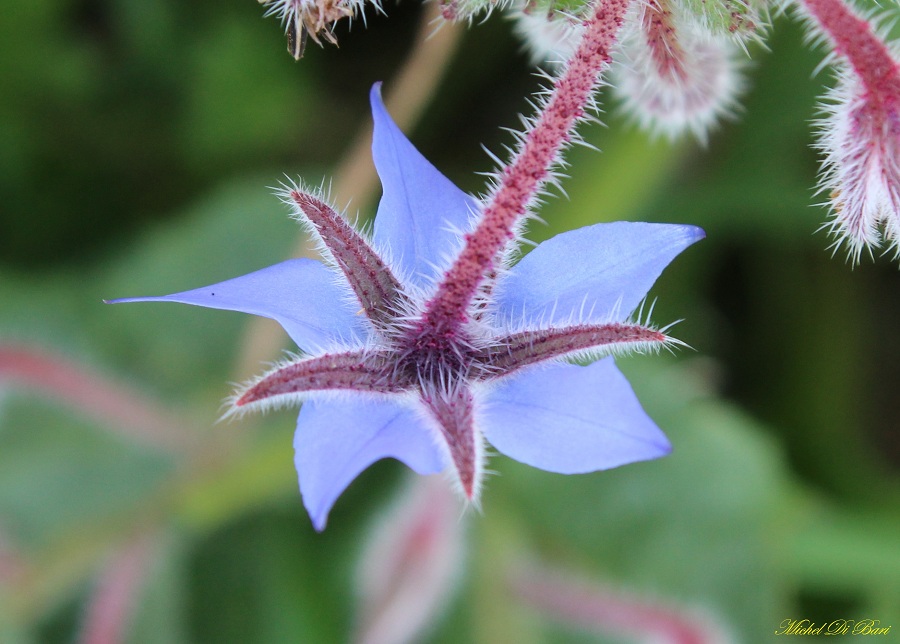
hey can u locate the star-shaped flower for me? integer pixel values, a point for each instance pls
(398, 362)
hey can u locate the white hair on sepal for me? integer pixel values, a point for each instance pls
(439, 265)
(383, 251)
(294, 399)
(481, 454)
(438, 438)
(615, 350)
(284, 191)
(265, 405)
(585, 315)
(386, 252)
(640, 318)
(631, 347)
(417, 294)
(524, 319)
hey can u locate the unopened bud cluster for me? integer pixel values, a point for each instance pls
(678, 70)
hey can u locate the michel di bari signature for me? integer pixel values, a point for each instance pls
(835, 627)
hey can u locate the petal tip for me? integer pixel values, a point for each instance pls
(129, 300)
(665, 448)
(375, 99)
(319, 523)
(696, 233)
(318, 512)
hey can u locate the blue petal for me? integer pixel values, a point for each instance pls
(571, 419)
(421, 212)
(590, 273)
(336, 440)
(301, 294)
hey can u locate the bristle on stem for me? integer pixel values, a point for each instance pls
(521, 181)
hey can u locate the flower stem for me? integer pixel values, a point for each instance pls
(854, 39)
(520, 182)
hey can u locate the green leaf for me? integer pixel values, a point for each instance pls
(58, 473)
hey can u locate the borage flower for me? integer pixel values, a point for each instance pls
(385, 375)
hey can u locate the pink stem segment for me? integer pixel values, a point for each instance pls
(410, 566)
(529, 171)
(112, 604)
(117, 407)
(607, 610)
(13, 564)
(854, 39)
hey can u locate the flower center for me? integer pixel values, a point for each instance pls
(435, 359)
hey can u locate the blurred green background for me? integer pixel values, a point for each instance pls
(137, 144)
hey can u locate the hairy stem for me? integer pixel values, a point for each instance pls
(854, 39)
(521, 180)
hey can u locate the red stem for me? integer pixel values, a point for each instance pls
(112, 605)
(854, 39)
(524, 177)
(13, 565)
(611, 611)
(409, 569)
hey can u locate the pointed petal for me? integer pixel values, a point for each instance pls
(300, 294)
(421, 213)
(571, 419)
(586, 275)
(336, 440)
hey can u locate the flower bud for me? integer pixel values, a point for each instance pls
(674, 76)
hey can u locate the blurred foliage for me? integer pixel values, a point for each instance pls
(136, 143)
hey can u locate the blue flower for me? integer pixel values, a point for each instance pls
(383, 374)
